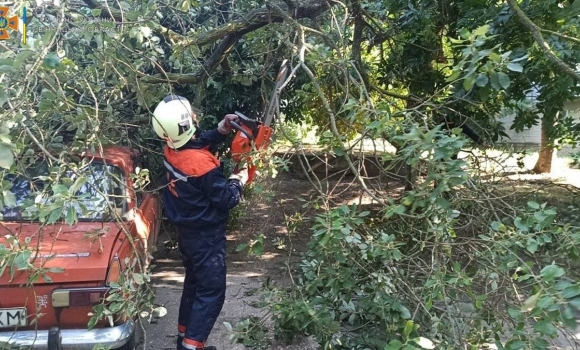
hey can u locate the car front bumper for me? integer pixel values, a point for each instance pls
(71, 339)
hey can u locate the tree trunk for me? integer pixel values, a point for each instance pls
(547, 152)
(411, 173)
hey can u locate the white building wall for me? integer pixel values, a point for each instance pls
(532, 136)
(527, 136)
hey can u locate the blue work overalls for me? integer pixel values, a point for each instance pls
(197, 200)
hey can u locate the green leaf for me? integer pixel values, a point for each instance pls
(482, 80)
(3, 97)
(546, 302)
(496, 225)
(494, 79)
(79, 182)
(6, 156)
(55, 215)
(9, 199)
(530, 302)
(46, 278)
(482, 30)
(96, 12)
(532, 245)
(575, 303)
(405, 313)
(7, 69)
(468, 82)
(514, 313)
(571, 291)
(258, 249)
(338, 151)
(533, 205)
(545, 327)
(22, 260)
(540, 217)
(60, 189)
(399, 209)
(496, 57)
(520, 225)
(515, 344)
(515, 67)
(185, 6)
(453, 76)
(51, 60)
(394, 345)
(71, 216)
(551, 272)
(139, 279)
(408, 329)
(504, 80)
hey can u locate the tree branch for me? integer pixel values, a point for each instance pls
(563, 36)
(544, 47)
(231, 32)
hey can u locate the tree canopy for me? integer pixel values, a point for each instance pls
(422, 75)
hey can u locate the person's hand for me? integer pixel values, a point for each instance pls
(224, 127)
(240, 174)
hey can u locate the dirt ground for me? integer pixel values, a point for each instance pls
(270, 211)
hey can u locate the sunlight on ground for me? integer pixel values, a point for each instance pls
(168, 277)
(366, 199)
(281, 230)
(495, 161)
(245, 274)
(269, 256)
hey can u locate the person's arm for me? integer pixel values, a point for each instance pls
(223, 193)
(218, 135)
(210, 138)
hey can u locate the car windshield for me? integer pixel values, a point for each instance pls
(102, 192)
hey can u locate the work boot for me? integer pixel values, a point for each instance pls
(179, 343)
(181, 347)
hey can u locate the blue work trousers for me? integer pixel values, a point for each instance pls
(204, 287)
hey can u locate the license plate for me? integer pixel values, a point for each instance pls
(15, 317)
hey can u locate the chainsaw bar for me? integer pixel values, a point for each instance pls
(273, 109)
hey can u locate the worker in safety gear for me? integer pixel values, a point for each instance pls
(197, 200)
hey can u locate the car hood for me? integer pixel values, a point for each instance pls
(68, 253)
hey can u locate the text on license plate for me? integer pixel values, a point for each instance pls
(13, 317)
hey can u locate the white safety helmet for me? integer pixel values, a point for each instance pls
(173, 120)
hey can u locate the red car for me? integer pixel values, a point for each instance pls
(72, 267)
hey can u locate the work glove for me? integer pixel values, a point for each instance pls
(240, 174)
(224, 127)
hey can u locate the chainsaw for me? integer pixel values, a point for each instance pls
(254, 135)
